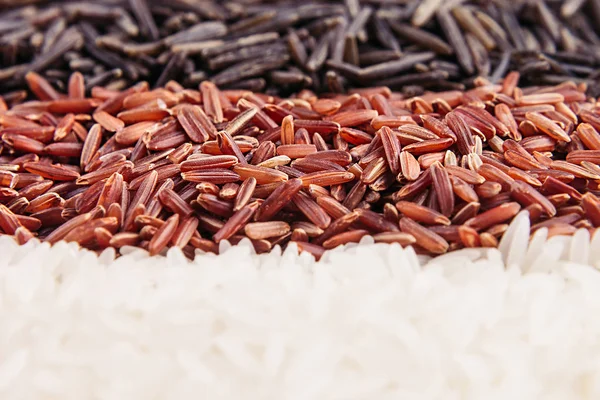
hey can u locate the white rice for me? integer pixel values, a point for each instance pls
(367, 322)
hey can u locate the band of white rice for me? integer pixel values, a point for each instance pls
(371, 321)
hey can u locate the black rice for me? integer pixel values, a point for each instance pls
(283, 47)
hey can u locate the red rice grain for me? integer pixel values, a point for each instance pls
(190, 168)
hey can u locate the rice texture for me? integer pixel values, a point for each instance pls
(369, 321)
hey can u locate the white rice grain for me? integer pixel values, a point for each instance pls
(513, 244)
(369, 321)
(579, 251)
(595, 250)
(547, 259)
(535, 247)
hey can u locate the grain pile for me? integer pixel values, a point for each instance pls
(191, 168)
(284, 46)
(354, 199)
(372, 321)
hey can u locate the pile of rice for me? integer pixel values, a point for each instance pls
(369, 321)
